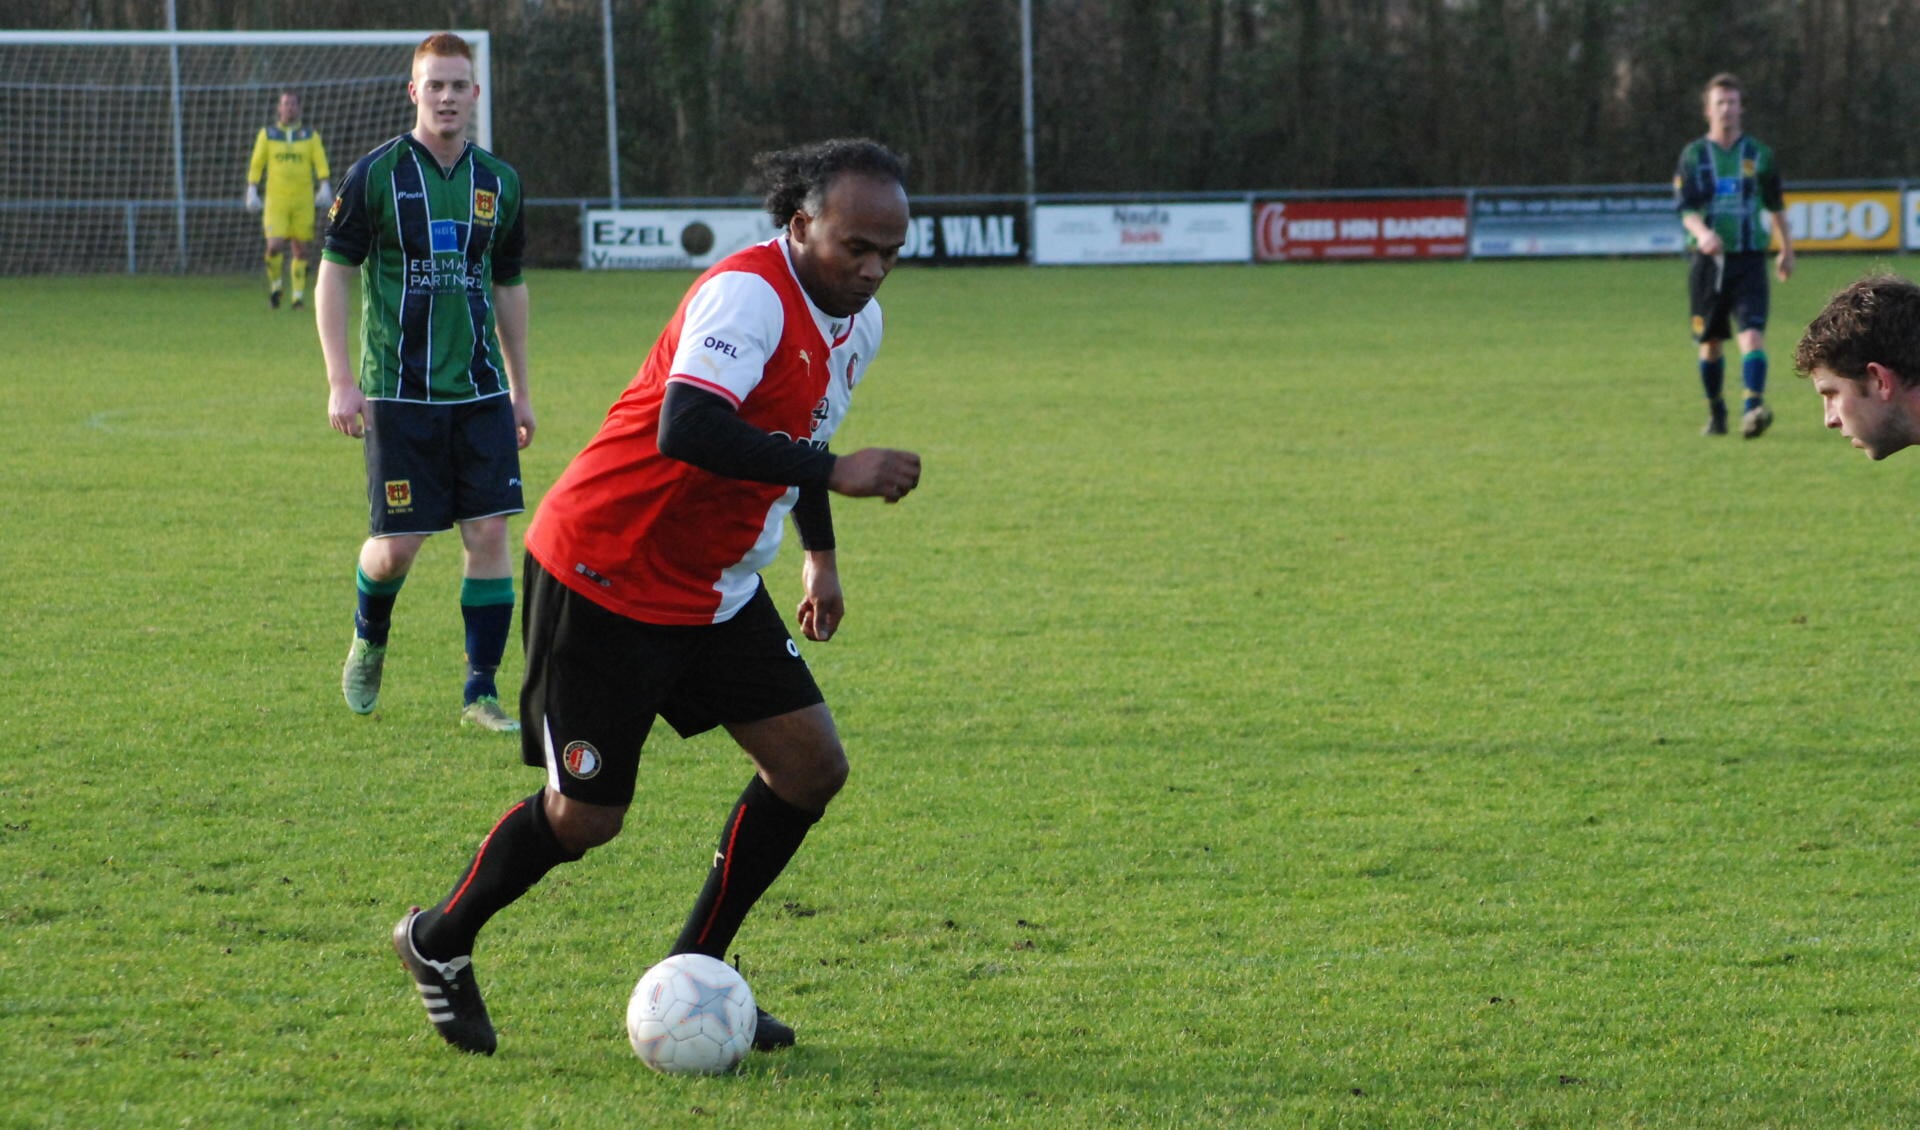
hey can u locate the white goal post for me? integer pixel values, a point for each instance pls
(128, 151)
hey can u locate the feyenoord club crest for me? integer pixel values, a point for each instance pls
(581, 759)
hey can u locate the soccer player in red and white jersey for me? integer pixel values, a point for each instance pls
(643, 595)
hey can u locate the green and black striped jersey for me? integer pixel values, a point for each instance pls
(1730, 188)
(431, 244)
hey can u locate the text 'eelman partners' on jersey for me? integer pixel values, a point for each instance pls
(1730, 188)
(430, 243)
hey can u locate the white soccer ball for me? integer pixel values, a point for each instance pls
(691, 1014)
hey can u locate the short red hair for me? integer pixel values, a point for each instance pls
(442, 43)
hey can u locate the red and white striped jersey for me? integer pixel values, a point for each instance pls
(661, 541)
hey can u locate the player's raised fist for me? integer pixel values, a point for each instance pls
(875, 472)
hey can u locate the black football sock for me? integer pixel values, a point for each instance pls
(374, 616)
(760, 836)
(486, 605)
(1713, 376)
(1753, 375)
(515, 855)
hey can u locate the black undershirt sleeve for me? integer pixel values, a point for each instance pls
(701, 428)
(813, 519)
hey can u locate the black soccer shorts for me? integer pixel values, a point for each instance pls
(431, 465)
(1727, 296)
(595, 681)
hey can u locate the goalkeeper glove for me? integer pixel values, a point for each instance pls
(253, 198)
(323, 197)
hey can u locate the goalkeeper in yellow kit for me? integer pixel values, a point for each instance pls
(290, 159)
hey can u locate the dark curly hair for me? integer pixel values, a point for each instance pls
(797, 178)
(1875, 320)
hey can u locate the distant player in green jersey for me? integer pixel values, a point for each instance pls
(1725, 181)
(433, 224)
(292, 164)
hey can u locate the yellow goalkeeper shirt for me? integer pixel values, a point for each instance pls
(291, 159)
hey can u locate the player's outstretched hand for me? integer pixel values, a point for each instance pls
(875, 472)
(346, 410)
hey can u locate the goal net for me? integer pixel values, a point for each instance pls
(128, 151)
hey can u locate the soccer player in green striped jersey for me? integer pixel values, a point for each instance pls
(433, 225)
(1726, 181)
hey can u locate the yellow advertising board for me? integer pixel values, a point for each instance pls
(1843, 221)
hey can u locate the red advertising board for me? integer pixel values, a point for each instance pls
(1428, 228)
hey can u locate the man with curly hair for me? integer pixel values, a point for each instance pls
(642, 576)
(1863, 355)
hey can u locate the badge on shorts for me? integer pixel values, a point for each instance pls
(399, 494)
(1699, 325)
(581, 760)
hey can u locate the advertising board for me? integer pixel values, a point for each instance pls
(971, 235)
(1425, 228)
(1521, 225)
(1142, 233)
(663, 239)
(1844, 221)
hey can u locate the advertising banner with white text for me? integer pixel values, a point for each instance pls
(665, 239)
(1142, 233)
(1588, 223)
(1432, 228)
(1844, 221)
(969, 235)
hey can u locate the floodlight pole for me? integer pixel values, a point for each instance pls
(613, 111)
(179, 150)
(1026, 106)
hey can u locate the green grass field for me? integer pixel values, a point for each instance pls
(1296, 696)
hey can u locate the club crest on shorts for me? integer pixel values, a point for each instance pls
(581, 760)
(399, 494)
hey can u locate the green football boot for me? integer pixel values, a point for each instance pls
(487, 713)
(360, 678)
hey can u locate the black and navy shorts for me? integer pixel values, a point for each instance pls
(431, 465)
(595, 680)
(1729, 298)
